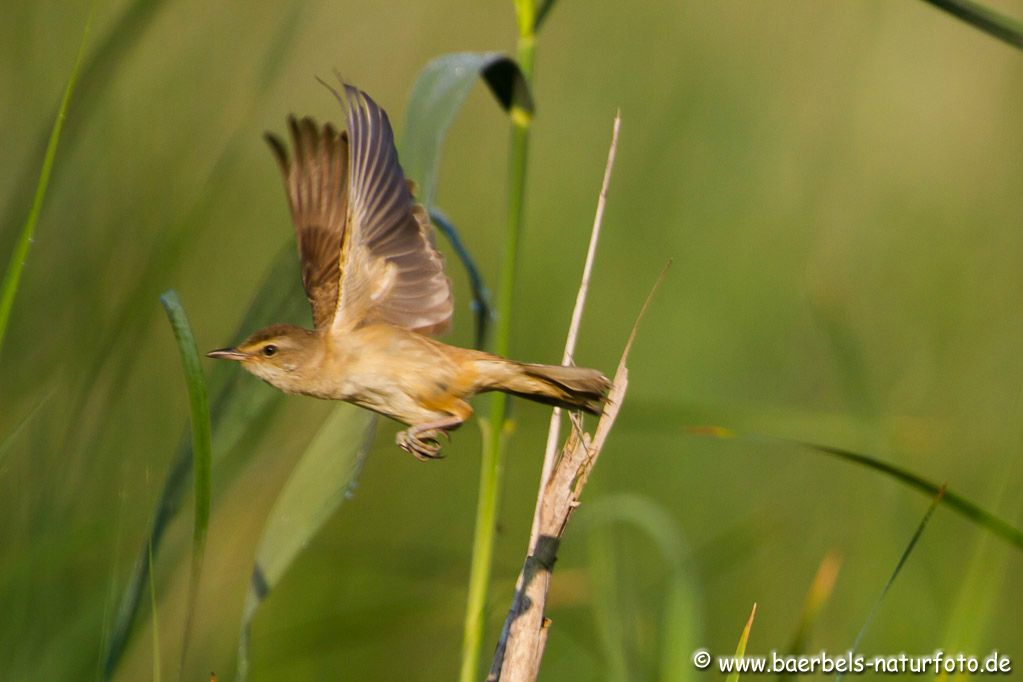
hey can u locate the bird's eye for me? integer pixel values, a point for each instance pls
(269, 350)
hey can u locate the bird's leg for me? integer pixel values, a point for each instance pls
(421, 439)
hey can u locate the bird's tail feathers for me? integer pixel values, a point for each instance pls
(573, 388)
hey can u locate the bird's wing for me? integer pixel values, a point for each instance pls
(317, 187)
(366, 247)
(390, 270)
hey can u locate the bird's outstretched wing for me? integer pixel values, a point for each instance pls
(316, 183)
(366, 247)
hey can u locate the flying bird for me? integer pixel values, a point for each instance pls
(377, 288)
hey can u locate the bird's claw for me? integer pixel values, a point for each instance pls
(423, 445)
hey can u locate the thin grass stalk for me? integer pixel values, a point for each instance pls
(1000, 26)
(955, 501)
(740, 649)
(7, 441)
(157, 677)
(495, 430)
(95, 75)
(12, 276)
(820, 591)
(895, 574)
(554, 431)
(202, 458)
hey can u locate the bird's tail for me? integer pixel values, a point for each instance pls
(574, 388)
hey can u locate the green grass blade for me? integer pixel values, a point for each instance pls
(12, 435)
(960, 504)
(740, 649)
(234, 411)
(980, 589)
(895, 573)
(437, 97)
(157, 676)
(967, 508)
(607, 604)
(134, 313)
(480, 295)
(681, 621)
(818, 595)
(97, 74)
(681, 629)
(12, 276)
(239, 406)
(324, 477)
(541, 13)
(1004, 28)
(202, 449)
(496, 432)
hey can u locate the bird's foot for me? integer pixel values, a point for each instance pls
(422, 443)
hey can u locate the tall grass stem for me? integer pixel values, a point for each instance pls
(12, 277)
(494, 432)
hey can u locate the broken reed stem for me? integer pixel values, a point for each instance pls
(554, 432)
(525, 632)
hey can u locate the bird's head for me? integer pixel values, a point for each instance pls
(276, 354)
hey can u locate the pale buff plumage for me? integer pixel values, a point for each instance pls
(376, 285)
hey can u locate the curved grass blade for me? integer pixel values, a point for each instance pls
(981, 589)
(236, 411)
(435, 100)
(608, 612)
(895, 573)
(541, 13)
(323, 478)
(681, 626)
(96, 76)
(960, 504)
(12, 276)
(231, 418)
(1006, 29)
(820, 591)
(740, 649)
(12, 435)
(681, 622)
(202, 449)
(134, 313)
(480, 296)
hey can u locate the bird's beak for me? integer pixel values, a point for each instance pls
(227, 354)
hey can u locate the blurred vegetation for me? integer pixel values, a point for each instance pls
(838, 182)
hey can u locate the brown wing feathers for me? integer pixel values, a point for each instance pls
(391, 228)
(366, 246)
(316, 183)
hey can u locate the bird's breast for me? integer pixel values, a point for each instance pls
(389, 370)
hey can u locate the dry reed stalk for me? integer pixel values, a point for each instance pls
(524, 635)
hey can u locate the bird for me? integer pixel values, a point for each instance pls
(378, 292)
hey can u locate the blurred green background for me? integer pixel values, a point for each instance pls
(839, 184)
